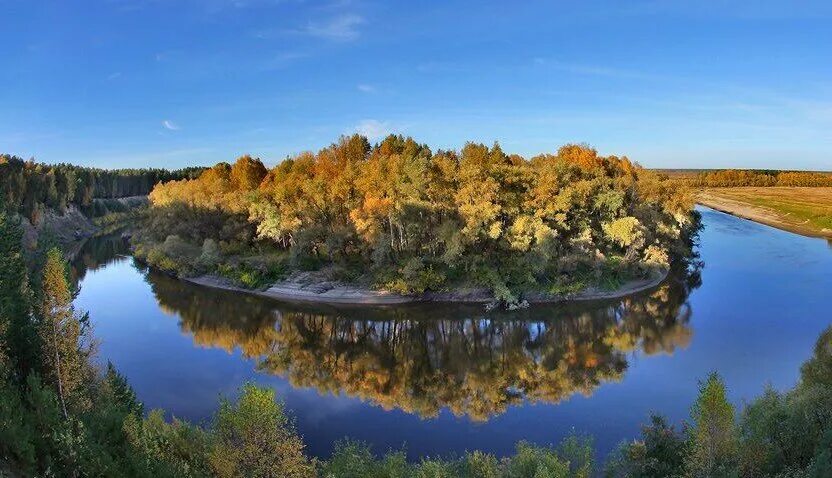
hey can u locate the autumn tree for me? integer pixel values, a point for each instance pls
(64, 335)
(246, 173)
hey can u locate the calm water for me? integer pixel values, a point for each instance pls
(442, 378)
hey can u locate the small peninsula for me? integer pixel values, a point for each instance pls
(396, 222)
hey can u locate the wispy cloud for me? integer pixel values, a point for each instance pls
(168, 124)
(344, 27)
(113, 76)
(440, 67)
(282, 60)
(206, 6)
(373, 129)
(758, 10)
(593, 70)
(365, 88)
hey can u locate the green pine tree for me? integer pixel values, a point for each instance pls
(18, 339)
(123, 394)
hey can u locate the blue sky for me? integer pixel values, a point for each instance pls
(180, 82)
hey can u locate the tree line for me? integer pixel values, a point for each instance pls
(30, 188)
(761, 178)
(404, 218)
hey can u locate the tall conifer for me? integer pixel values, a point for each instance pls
(18, 341)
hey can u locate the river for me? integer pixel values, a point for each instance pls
(440, 378)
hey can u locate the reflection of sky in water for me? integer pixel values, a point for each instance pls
(764, 299)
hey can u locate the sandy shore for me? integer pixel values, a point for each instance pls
(338, 293)
(759, 214)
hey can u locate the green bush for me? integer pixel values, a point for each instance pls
(354, 459)
(661, 452)
(17, 436)
(252, 277)
(414, 277)
(567, 286)
(254, 437)
(210, 255)
(533, 460)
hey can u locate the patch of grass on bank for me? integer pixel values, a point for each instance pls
(253, 276)
(810, 208)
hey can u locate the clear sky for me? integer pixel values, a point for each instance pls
(180, 82)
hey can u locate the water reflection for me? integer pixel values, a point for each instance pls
(763, 302)
(423, 358)
(97, 253)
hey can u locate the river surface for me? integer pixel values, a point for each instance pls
(440, 379)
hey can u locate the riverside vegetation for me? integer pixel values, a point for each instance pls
(397, 216)
(798, 201)
(62, 416)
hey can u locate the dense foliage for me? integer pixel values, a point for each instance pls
(61, 416)
(30, 188)
(776, 435)
(406, 219)
(761, 178)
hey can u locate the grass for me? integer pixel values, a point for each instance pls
(801, 209)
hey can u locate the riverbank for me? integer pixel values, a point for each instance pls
(69, 230)
(802, 210)
(301, 289)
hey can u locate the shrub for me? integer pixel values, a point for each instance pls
(211, 255)
(414, 278)
(661, 452)
(251, 277)
(480, 465)
(254, 437)
(17, 440)
(533, 460)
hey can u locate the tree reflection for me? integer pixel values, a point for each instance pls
(97, 252)
(422, 358)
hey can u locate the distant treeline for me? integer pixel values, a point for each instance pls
(28, 187)
(751, 177)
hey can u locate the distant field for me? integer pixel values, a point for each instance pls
(803, 210)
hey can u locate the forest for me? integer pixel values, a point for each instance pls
(63, 415)
(30, 188)
(397, 216)
(760, 178)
